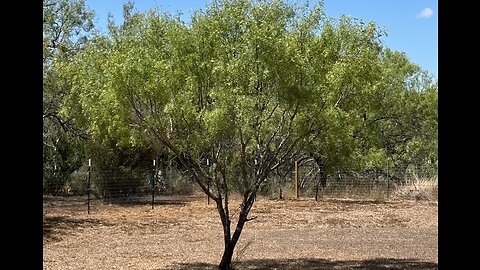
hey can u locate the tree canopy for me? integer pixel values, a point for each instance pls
(251, 86)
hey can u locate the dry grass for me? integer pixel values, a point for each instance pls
(418, 189)
(185, 233)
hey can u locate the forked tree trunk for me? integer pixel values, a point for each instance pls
(226, 262)
(230, 243)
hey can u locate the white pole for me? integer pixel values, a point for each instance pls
(89, 187)
(208, 182)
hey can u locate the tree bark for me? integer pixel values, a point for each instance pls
(226, 262)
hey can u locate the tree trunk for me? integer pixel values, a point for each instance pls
(226, 262)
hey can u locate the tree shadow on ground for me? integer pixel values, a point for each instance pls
(80, 202)
(140, 201)
(54, 227)
(319, 264)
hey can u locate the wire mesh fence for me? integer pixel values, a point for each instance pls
(399, 182)
(306, 180)
(309, 180)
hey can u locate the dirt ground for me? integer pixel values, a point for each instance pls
(183, 233)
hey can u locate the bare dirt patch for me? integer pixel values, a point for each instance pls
(185, 233)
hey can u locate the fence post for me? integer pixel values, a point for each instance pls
(316, 178)
(296, 180)
(153, 184)
(88, 187)
(208, 181)
(388, 179)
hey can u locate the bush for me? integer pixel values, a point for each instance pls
(173, 182)
(77, 183)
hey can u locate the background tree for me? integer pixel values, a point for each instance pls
(345, 59)
(66, 24)
(401, 122)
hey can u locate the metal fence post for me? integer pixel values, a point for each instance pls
(153, 184)
(208, 181)
(388, 179)
(317, 182)
(88, 187)
(296, 180)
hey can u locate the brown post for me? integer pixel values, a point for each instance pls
(296, 180)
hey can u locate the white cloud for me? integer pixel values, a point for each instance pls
(425, 13)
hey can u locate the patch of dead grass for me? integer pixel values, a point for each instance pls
(186, 229)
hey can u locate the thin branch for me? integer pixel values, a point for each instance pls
(271, 113)
(198, 178)
(339, 98)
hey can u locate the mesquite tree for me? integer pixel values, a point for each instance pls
(247, 85)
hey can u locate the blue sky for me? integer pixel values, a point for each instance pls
(412, 25)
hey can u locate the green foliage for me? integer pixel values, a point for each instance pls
(119, 171)
(247, 79)
(66, 24)
(250, 86)
(60, 159)
(404, 122)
